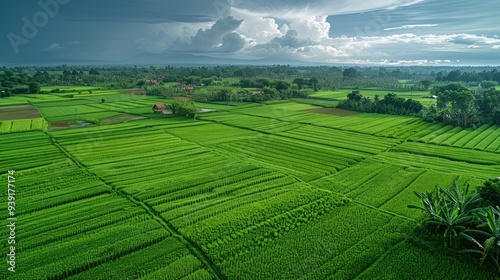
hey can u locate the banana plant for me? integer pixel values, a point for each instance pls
(448, 208)
(491, 246)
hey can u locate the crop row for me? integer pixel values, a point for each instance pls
(115, 129)
(404, 131)
(438, 164)
(64, 103)
(184, 268)
(107, 150)
(366, 123)
(342, 139)
(60, 259)
(177, 184)
(385, 185)
(378, 124)
(336, 238)
(168, 259)
(189, 211)
(295, 155)
(365, 252)
(407, 261)
(50, 112)
(201, 163)
(211, 205)
(484, 138)
(22, 125)
(42, 192)
(228, 248)
(426, 182)
(106, 135)
(212, 133)
(276, 111)
(451, 153)
(16, 139)
(238, 219)
(251, 122)
(61, 222)
(67, 232)
(349, 178)
(18, 159)
(214, 188)
(437, 133)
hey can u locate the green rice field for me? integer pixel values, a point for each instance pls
(250, 191)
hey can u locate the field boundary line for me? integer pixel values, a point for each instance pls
(422, 172)
(383, 210)
(192, 247)
(380, 258)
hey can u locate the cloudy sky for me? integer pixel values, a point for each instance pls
(381, 32)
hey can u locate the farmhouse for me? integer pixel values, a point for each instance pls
(159, 107)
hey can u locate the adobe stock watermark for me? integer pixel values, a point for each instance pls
(380, 20)
(31, 27)
(223, 6)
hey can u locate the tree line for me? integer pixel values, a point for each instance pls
(456, 105)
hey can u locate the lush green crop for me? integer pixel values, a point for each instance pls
(451, 153)
(253, 191)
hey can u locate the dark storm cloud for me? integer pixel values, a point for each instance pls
(219, 38)
(291, 40)
(148, 11)
(115, 30)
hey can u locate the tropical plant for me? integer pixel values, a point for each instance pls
(449, 209)
(491, 246)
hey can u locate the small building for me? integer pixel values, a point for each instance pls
(152, 82)
(159, 107)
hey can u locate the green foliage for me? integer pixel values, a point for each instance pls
(183, 108)
(390, 104)
(33, 87)
(490, 191)
(448, 210)
(490, 247)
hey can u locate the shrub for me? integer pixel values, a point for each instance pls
(490, 191)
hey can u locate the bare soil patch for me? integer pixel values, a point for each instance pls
(121, 118)
(333, 112)
(137, 91)
(18, 112)
(184, 97)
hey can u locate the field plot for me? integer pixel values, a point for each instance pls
(307, 161)
(15, 148)
(341, 94)
(426, 264)
(342, 139)
(484, 138)
(18, 112)
(68, 221)
(276, 110)
(374, 124)
(439, 164)
(58, 113)
(257, 123)
(452, 153)
(201, 197)
(252, 191)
